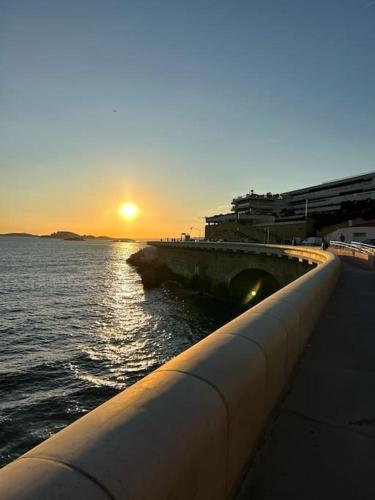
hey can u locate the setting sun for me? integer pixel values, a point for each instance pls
(128, 210)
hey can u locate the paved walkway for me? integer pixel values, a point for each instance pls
(322, 443)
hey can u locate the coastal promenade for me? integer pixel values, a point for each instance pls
(321, 445)
(191, 428)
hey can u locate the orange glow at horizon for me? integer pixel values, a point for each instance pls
(99, 212)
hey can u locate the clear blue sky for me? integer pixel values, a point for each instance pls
(212, 98)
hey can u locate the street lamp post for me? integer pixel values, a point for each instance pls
(203, 226)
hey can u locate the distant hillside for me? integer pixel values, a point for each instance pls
(69, 235)
(62, 235)
(23, 235)
(106, 238)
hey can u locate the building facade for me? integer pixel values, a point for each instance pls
(279, 218)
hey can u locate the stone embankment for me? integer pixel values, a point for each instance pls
(239, 274)
(189, 430)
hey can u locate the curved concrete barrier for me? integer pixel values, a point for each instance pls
(189, 429)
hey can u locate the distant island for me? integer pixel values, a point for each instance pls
(24, 235)
(69, 236)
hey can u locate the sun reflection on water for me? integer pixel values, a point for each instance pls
(121, 340)
(134, 332)
(83, 329)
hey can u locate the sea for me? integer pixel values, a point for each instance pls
(77, 327)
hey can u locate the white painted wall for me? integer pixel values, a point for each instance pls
(352, 233)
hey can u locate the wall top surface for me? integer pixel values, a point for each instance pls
(312, 254)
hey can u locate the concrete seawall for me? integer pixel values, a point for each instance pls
(219, 263)
(189, 429)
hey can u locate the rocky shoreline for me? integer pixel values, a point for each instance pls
(152, 270)
(155, 274)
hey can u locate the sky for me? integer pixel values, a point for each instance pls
(176, 106)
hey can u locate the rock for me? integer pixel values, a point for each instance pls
(145, 256)
(150, 278)
(152, 270)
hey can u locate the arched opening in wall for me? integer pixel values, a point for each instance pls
(251, 286)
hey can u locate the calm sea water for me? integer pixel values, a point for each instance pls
(77, 327)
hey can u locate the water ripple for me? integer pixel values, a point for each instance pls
(76, 327)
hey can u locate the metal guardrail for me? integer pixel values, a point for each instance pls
(364, 247)
(354, 246)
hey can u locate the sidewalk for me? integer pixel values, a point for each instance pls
(322, 442)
